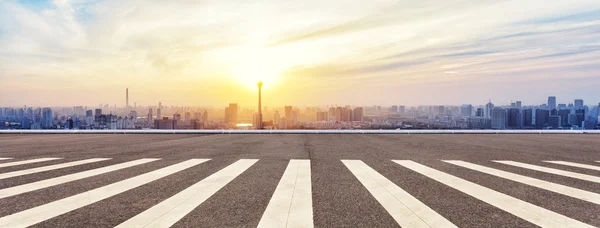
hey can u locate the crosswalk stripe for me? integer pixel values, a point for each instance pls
(50, 167)
(553, 171)
(407, 210)
(47, 211)
(291, 203)
(529, 212)
(20, 189)
(2, 165)
(171, 210)
(573, 164)
(561, 189)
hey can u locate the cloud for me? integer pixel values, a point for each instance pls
(378, 44)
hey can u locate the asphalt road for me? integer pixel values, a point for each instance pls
(333, 181)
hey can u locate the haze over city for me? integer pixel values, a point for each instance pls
(63, 53)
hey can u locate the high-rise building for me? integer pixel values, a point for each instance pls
(498, 116)
(401, 109)
(158, 114)
(150, 116)
(541, 118)
(514, 118)
(205, 116)
(188, 118)
(358, 114)
(554, 121)
(466, 110)
(578, 103)
(527, 117)
(231, 114)
(551, 102)
(322, 116)
(564, 116)
(165, 123)
(488, 109)
(288, 112)
(276, 119)
(98, 111)
(177, 118)
(47, 118)
(394, 109)
(126, 97)
(519, 104)
(479, 112)
(580, 113)
(572, 120)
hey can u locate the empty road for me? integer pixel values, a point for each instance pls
(309, 180)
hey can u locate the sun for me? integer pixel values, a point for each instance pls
(255, 65)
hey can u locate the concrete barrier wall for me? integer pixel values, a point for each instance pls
(299, 131)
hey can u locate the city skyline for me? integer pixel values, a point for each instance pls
(63, 52)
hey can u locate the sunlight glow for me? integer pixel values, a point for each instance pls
(253, 65)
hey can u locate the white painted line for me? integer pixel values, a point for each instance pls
(26, 162)
(50, 167)
(561, 189)
(171, 210)
(16, 190)
(529, 212)
(47, 211)
(578, 165)
(407, 210)
(4, 159)
(553, 171)
(291, 203)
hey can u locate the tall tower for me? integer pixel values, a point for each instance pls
(260, 122)
(127, 97)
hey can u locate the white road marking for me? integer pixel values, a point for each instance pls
(50, 167)
(4, 159)
(171, 210)
(47, 211)
(529, 212)
(291, 203)
(561, 189)
(553, 171)
(578, 165)
(26, 162)
(16, 190)
(407, 210)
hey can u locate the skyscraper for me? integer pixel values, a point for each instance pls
(488, 109)
(126, 97)
(466, 110)
(150, 116)
(498, 118)
(158, 114)
(527, 117)
(288, 112)
(231, 113)
(551, 102)
(578, 103)
(259, 117)
(514, 118)
(188, 118)
(541, 118)
(47, 118)
(479, 112)
(358, 114)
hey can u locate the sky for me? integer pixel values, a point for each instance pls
(307, 52)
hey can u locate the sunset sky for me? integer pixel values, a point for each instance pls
(308, 52)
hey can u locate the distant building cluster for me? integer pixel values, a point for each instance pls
(575, 115)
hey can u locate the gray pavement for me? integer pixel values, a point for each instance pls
(337, 197)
